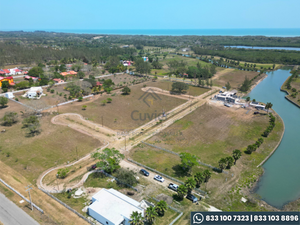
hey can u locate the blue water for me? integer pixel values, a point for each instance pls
(178, 32)
(280, 183)
(275, 48)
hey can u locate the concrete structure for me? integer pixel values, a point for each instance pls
(227, 96)
(111, 207)
(34, 92)
(257, 105)
(9, 95)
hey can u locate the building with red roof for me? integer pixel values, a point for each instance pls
(58, 80)
(9, 79)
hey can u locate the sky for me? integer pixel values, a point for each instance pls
(154, 14)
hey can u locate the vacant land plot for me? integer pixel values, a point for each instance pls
(54, 146)
(235, 78)
(167, 85)
(125, 112)
(212, 132)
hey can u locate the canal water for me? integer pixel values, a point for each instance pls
(280, 183)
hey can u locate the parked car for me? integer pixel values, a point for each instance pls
(159, 178)
(192, 198)
(144, 172)
(256, 113)
(94, 166)
(172, 186)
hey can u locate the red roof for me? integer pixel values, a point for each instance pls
(185, 74)
(2, 72)
(98, 83)
(6, 71)
(57, 79)
(12, 83)
(25, 72)
(9, 78)
(17, 70)
(1, 78)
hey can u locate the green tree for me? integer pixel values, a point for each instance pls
(246, 85)
(236, 154)
(36, 72)
(188, 161)
(142, 67)
(80, 75)
(9, 118)
(109, 159)
(199, 178)
(190, 184)
(126, 90)
(230, 162)
(248, 99)
(80, 98)
(179, 87)
(228, 86)
(3, 101)
(161, 207)
(207, 175)
(150, 214)
(269, 105)
(103, 102)
(62, 173)
(62, 68)
(108, 83)
(32, 124)
(136, 218)
(109, 100)
(84, 107)
(126, 176)
(182, 191)
(222, 164)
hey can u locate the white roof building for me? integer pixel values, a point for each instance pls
(9, 95)
(111, 207)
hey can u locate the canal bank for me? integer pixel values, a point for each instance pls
(279, 184)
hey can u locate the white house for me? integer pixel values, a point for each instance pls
(227, 96)
(14, 71)
(257, 105)
(34, 92)
(111, 207)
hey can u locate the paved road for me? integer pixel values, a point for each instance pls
(11, 214)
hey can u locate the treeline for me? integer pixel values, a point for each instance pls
(19, 54)
(253, 55)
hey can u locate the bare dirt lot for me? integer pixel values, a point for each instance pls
(234, 77)
(125, 112)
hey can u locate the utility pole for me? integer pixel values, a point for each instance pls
(28, 189)
(102, 120)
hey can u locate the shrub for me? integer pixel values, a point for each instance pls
(80, 98)
(52, 91)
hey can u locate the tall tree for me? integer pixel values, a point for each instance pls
(236, 154)
(222, 164)
(3, 101)
(150, 214)
(109, 159)
(230, 162)
(9, 118)
(190, 184)
(182, 191)
(207, 175)
(136, 218)
(188, 161)
(269, 105)
(161, 207)
(199, 178)
(228, 86)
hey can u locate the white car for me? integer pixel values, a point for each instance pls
(159, 178)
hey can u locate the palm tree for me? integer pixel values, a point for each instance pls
(136, 218)
(199, 178)
(230, 162)
(222, 164)
(207, 175)
(150, 214)
(269, 105)
(236, 154)
(161, 207)
(190, 184)
(182, 191)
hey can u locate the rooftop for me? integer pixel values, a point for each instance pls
(114, 205)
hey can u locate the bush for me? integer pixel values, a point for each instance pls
(80, 98)
(62, 173)
(52, 91)
(126, 176)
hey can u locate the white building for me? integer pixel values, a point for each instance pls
(111, 207)
(227, 96)
(34, 92)
(9, 95)
(257, 105)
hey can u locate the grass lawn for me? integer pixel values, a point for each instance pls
(125, 112)
(189, 61)
(54, 146)
(99, 180)
(235, 78)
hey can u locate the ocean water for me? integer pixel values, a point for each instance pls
(179, 32)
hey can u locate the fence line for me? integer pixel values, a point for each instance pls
(174, 153)
(68, 207)
(165, 175)
(174, 209)
(18, 193)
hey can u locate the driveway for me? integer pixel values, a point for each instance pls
(11, 214)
